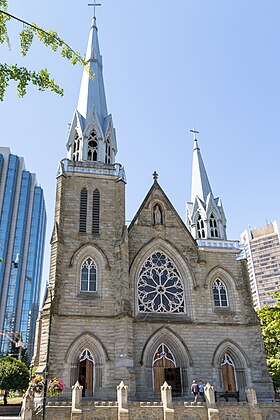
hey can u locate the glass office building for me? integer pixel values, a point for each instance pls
(22, 241)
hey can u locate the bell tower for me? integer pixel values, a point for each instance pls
(86, 310)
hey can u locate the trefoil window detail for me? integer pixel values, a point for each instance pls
(88, 276)
(200, 227)
(83, 211)
(214, 233)
(95, 212)
(160, 288)
(220, 293)
(92, 147)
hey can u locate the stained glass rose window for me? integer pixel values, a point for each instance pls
(160, 288)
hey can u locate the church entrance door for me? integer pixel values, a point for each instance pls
(228, 374)
(164, 369)
(86, 373)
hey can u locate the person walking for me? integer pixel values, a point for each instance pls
(195, 390)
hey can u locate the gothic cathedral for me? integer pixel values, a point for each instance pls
(159, 300)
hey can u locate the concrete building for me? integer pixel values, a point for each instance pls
(157, 301)
(22, 241)
(262, 248)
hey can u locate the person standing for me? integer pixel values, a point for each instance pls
(195, 390)
(201, 387)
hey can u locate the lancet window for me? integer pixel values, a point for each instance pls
(76, 147)
(95, 212)
(220, 293)
(88, 276)
(160, 288)
(214, 233)
(92, 147)
(200, 227)
(83, 211)
(107, 151)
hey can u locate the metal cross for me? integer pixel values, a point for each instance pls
(155, 175)
(194, 131)
(94, 6)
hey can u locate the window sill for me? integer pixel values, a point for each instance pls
(222, 310)
(88, 295)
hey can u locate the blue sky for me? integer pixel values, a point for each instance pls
(167, 67)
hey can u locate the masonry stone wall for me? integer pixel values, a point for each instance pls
(122, 340)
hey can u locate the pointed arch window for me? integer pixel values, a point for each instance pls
(107, 151)
(83, 211)
(92, 147)
(88, 276)
(160, 288)
(214, 233)
(200, 227)
(95, 212)
(76, 147)
(220, 293)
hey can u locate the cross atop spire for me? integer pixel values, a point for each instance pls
(94, 4)
(155, 176)
(194, 131)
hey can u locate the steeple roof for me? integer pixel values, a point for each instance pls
(200, 183)
(92, 92)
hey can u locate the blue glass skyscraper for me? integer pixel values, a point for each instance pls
(22, 240)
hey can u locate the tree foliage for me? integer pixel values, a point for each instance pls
(270, 324)
(14, 374)
(23, 76)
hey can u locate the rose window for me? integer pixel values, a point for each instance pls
(160, 288)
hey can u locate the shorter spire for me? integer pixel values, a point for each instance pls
(200, 183)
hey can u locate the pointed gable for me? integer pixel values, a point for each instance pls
(158, 214)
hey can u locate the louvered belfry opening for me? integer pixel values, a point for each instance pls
(83, 211)
(95, 212)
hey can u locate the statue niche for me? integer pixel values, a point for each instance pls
(157, 215)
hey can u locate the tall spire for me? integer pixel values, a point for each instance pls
(200, 183)
(92, 92)
(91, 134)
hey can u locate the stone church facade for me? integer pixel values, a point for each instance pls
(159, 300)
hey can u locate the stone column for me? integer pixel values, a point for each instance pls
(166, 398)
(27, 405)
(253, 404)
(76, 412)
(122, 394)
(213, 412)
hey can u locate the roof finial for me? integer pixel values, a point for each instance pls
(94, 4)
(155, 176)
(194, 131)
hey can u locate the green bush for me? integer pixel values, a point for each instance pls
(14, 374)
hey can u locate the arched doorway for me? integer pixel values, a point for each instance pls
(228, 374)
(86, 373)
(164, 369)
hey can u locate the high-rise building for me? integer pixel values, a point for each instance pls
(262, 248)
(157, 301)
(22, 241)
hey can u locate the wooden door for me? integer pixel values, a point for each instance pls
(164, 370)
(86, 375)
(228, 378)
